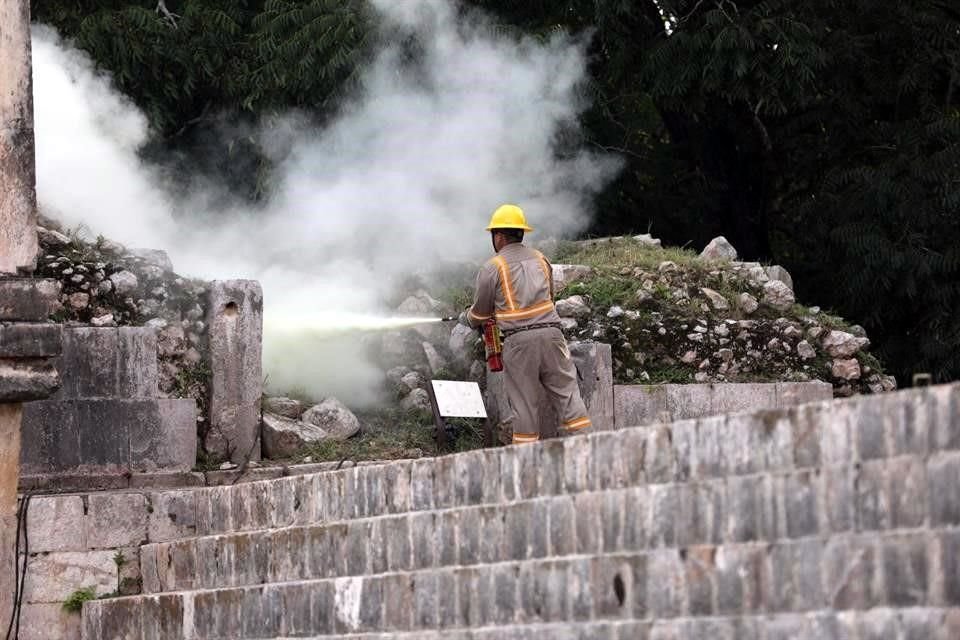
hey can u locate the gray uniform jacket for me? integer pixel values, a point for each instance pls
(516, 288)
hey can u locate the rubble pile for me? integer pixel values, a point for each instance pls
(104, 284)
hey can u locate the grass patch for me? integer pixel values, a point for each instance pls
(74, 603)
(604, 291)
(386, 434)
(620, 253)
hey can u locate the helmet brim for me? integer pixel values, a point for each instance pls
(523, 227)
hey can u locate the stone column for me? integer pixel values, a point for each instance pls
(9, 472)
(235, 326)
(26, 345)
(18, 205)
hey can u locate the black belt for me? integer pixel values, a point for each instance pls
(545, 325)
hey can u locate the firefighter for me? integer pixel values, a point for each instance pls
(515, 288)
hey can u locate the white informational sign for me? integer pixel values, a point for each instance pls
(459, 399)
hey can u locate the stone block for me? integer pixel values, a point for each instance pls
(687, 401)
(48, 622)
(944, 478)
(638, 405)
(235, 321)
(53, 577)
(908, 494)
(116, 520)
(613, 583)
(873, 497)
(137, 374)
(836, 501)
(26, 379)
(56, 523)
(24, 340)
(871, 423)
(172, 515)
(109, 362)
(790, 394)
(50, 437)
(800, 497)
(666, 585)
(27, 299)
(594, 362)
(851, 568)
(108, 435)
(906, 570)
(167, 439)
(741, 398)
(944, 402)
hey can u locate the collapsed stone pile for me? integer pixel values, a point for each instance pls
(669, 317)
(710, 318)
(104, 284)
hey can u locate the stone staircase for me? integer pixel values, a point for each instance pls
(829, 520)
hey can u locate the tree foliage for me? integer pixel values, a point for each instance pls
(820, 134)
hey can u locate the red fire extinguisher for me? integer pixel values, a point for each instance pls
(493, 344)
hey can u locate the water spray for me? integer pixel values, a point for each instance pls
(336, 323)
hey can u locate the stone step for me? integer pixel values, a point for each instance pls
(904, 493)
(843, 574)
(809, 437)
(872, 624)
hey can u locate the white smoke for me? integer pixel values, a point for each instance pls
(405, 176)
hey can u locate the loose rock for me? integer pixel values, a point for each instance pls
(105, 320)
(719, 249)
(778, 273)
(334, 418)
(841, 344)
(805, 350)
(124, 282)
(283, 406)
(416, 400)
(846, 369)
(573, 307)
(284, 437)
(716, 299)
(747, 303)
(778, 295)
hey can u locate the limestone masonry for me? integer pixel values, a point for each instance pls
(836, 519)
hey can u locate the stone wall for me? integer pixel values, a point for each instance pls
(639, 405)
(108, 417)
(829, 520)
(619, 406)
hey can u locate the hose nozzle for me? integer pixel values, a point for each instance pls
(449, 319)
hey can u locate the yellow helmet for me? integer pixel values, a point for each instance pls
(509, 216)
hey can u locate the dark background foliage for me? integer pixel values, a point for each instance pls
(823, 135)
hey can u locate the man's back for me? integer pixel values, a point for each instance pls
(516, 288)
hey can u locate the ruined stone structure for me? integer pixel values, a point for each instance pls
(830, 520)
(26, 342)
(18, 198)
(107, 419)
(235, 321)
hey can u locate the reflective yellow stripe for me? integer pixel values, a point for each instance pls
(506, 282)
(548, 275)
(529, 312)
(577, 425)
(478, 317)
(524, 438)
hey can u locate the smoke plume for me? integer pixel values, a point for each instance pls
(404, 177)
